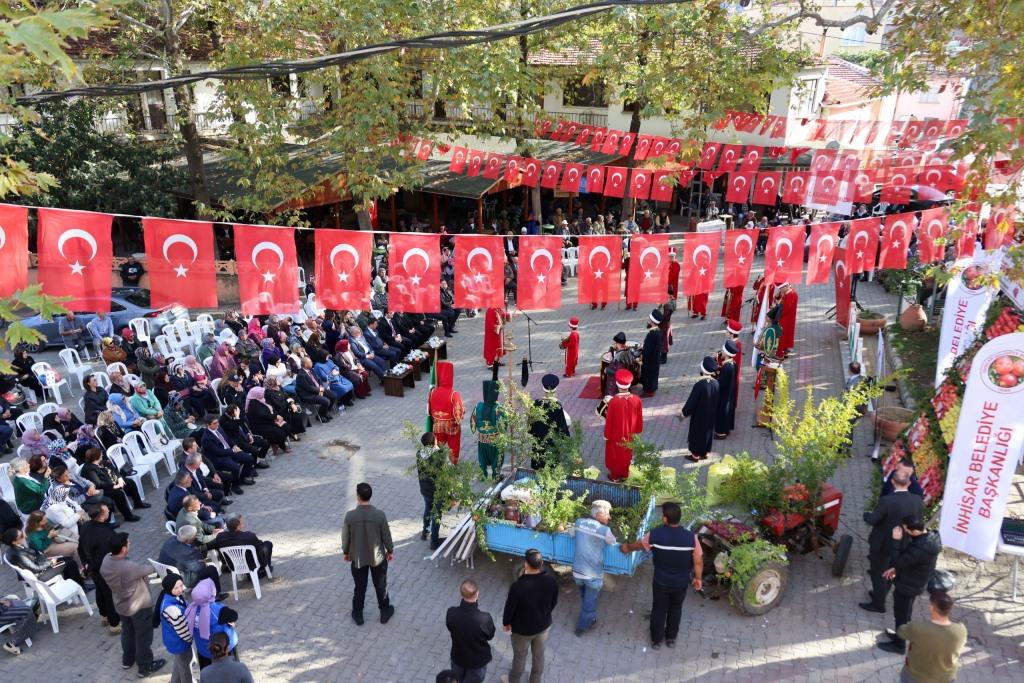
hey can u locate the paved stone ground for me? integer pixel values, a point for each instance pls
(301, 630)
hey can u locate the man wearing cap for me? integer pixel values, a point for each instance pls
(651, 354)
(571, 344)
(553, 423)
(623, 420)
(701, 407)
(725, 419)
(485, 422)
(787, 297)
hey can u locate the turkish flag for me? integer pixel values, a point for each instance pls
(911, 133)
(766, 188)
(625, 144)
(180, 258)
(752, 158)
(475, 161)
(514, 171)
(700, 261)
(556, 134)
(932, 130)
(739, 187)
(824, 237)
(571, 178)
(612, 142)
(424, 150)
(730, 157)
(268, 273)
(76, 257)
(13, 248)
(458, 164)
(600, 262)
(896, 185)
(968, 239)
(541, 127)
(570, 131)
(842, 282)
(826, 188)
(934, 225)
(661, 186)
(658, 147)
(686, 177)
(823, 160)
(820, 125)
(597, 143)
(861, 185)
(778, 128)
(492, 167)
(615, 181)
(479, 271)
(849, 161)
(539, 284)
(895, 241)
(934, 177)
(895, 129)
(640, 183)
(643, 147)
(583, 135)
(415, 272)
(675, 145)
(707, 155)
(795, 190)
(784, 257)
(739, 256)
(999, 229)
(862, 245)
(648, 269)
(595, 179)
(551, 171)
(955, 128)
(531, 172)
(342, 266)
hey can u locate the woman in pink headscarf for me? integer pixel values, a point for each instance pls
(204, 616)
(195, 369)
(264, 421)
(223, 362)
(255, 329)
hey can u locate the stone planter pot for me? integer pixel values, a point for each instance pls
(913, 319)
(870, 326)
(891, 420)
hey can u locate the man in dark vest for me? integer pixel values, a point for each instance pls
(678, 562)
(725, 417)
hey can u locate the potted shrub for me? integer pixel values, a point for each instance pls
(891, 420)
(870, 322)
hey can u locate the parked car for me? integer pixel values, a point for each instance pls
(125, 303)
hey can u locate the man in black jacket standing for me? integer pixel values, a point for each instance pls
(527, 616)
(890, 511)
(911, 566)
(95, 538)
(471, 629)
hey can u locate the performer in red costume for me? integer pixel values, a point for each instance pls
(446, 410)
(673, 273)
(698, 305)
(732, 303)
(787, 296)
(494, 321)
(623, 419)
(571, 344)
(759, 288)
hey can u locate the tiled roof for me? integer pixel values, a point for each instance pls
(846, 82)
(570, 56)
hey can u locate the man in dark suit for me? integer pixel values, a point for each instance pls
(906, 465)
(361, 348)
(95, 538)
(379, 346)
(226, 456)
(888, 514)
(310, 392)
(449, 314)
(237, 535)
(392, 336)
(471, 630)
(209, 488)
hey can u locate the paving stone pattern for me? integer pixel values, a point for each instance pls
(301, 630)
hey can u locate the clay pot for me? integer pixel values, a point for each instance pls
(913, 319)
(870, 326)
(891, 420)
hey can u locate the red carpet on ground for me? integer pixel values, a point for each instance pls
(592, 389)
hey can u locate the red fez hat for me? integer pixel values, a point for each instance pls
(623, 378)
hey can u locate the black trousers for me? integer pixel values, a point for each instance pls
(902, 607)
(137, 639)
(121, 496)
(879, 585)
(324, 404)
(666, 611)
(105, 599)
(379, 574)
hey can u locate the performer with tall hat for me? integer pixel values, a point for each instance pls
(622, 354)
(446, 409)
(701, 407)
(787, 297)
(725, 417)
(485, 421)
(553, 423)
(494, 323)
(698, 305)
(651, 356)
(732, 303)
(733, 328)
(761, 285)
(623, 419)
(667, 309)
(571, 344)
(673, 273)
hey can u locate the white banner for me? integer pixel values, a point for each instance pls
(989, 440)
(966, 303)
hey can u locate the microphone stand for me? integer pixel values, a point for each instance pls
(529, 339)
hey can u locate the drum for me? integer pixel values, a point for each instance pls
(606, 360)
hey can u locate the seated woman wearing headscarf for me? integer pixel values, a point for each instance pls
(255, 328)
(270, 354)
(111, 351)
(146, 365)
(191, 377)
(36, 443)
(330, 374)
(223, 362)
(233, 321)
(63, 422)
(101, 473)
(128, 342)
(85, 438)
(285, 406)
(312, 307)
(204, 617)
(162, 385)
(312, 337)
(145, 403)
(179, 421)
(247, 347)
(351, 368)
(295, 355)
(126, 418)
(207, 348)
(119, 384)
(265, 421)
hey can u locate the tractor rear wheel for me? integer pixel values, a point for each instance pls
(763, 591)
(842, 554)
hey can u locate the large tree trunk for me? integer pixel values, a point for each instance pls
(363, 218)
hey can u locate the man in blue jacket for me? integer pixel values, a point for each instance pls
(592, 536)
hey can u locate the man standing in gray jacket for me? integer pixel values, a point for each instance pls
(366, 543)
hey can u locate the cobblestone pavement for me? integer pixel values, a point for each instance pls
(301, 630)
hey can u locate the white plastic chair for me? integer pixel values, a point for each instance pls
(302, 279)
(55, 592)
(196, 330)
(27, 588)
(45, 409)
(239, 557)
(215, 385)
(179, 339)
(6, 485)
(140, 327)
(164, 346)
(206, 363)
(161, 568)
(73, 362)
(117, 367)
(27, 421)
(207, 320)
(171, 528)
(159, 441)
(102, 381)
(141, 456)
(118, 455)
(569, 261)
(42, 366)
(23, 452)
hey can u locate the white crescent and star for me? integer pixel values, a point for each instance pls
(268, 246)
(789, 250)
(902, 226)
(831, 245)
(767, 184)
(797, 183)
(178, 238)
(600, 249)
(744, 238)
(533, 263)
(648, 274)
(416, 251)
(841, 267)
(343, 276)
(73, 233)
(702, 271)
(479, 276)
(856, 238)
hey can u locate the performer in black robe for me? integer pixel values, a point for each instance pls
(651, 354)
(701, 407)
(553, 423)
(725, 419)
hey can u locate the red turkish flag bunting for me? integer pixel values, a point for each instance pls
(739, 256)
(475, 161)
(612, 141)
(180, 258)
(643, 147)
(595, 179)
(640, 183)
(700, 261)
(556, 134)
(824, 238)
(600, 262)
(826, 188)
(13, 248)
(842, 282)
(342, 267)
(583, 135)
(911, 133)
(615, 181)
(894, 241)
(895, 185)
(784, 257)
(531, 172)
(492, 168)
(551, 171)
(730, 157)
(849, 161)
(597, 143)
(661, 186)
(76, 257)
(861, 185)
(933, 227)
(415, 272)
(458, 163)
(570, 131)
(823, 160)
(648, 269)
(658, 147)
(862, 245)
(268, 273)
(707, 155)
(955, 128)
(571, 178)
(968, 239)
(752, 158)
(739, 188)
(795, 190)
(625, 144)
(766, 187)
(541, 127)
(932, 130)
(424, 149)
(934, 177)
(539, 284)
(514, 171)
(479, 271)
(675, 145)
(999, 229)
